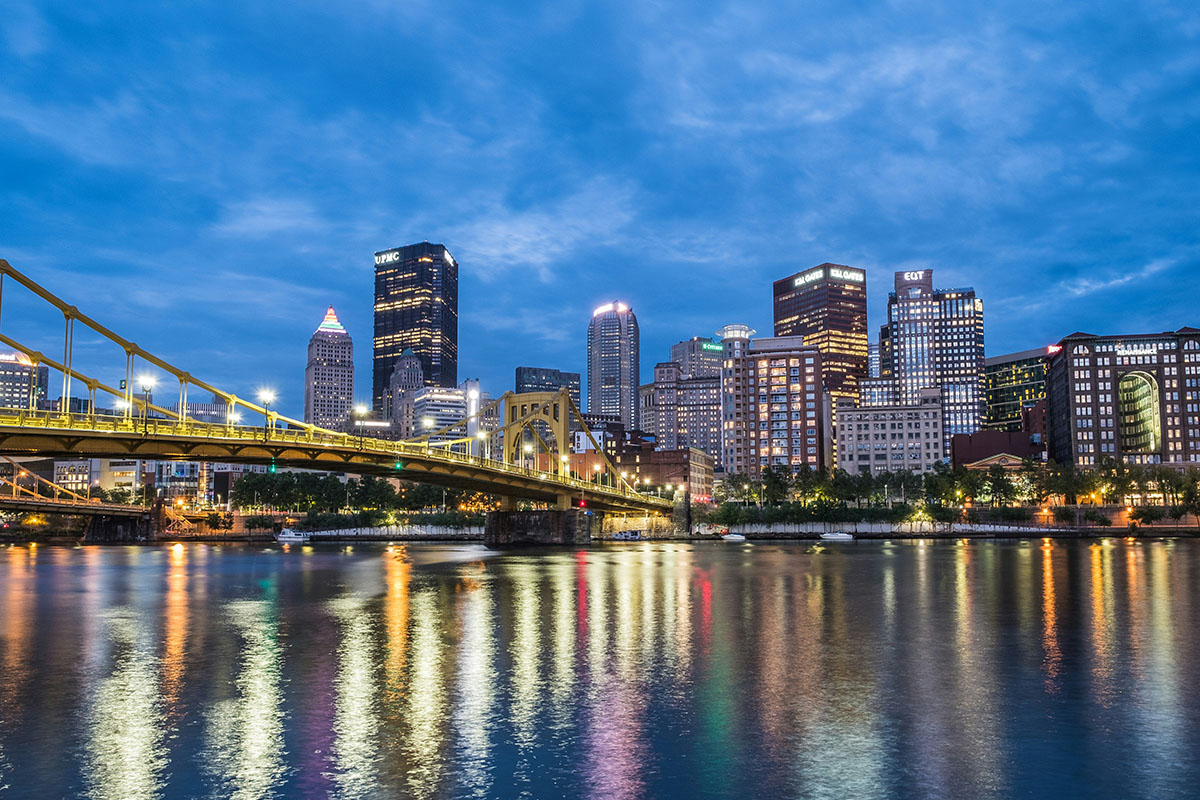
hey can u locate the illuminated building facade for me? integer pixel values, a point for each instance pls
(775, 409)
(1012, 383)
(698, 357)
(682, 411)
(827, 306)
(890, 438)
(934, 339)
(735, 404)
(416, 308)
(1132, 398)
(613, 364)
(541, 379)
(329, 375)
(22, 385)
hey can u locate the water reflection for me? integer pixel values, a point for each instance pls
(948, 670)
(125, 750)
(245, 730)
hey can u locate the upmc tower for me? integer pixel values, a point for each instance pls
(416, 306)
(827, 305)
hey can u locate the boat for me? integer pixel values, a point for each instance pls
(627, 536)
(733, 537)
(290, 536)
(837, 536)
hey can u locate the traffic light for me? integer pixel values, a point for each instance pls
(272, 465)
(399, 465)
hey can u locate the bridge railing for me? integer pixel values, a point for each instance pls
(277, 435)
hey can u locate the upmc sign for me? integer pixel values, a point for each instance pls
(387, 258)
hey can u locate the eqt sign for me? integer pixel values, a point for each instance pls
(914, 276)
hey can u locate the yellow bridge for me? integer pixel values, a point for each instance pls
(140, 429)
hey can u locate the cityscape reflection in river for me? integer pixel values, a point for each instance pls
(889, 669)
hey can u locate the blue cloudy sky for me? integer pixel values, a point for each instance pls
(207, 176)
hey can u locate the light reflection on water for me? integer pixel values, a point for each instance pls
(906, 669)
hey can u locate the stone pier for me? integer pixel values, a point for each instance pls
(568, 526)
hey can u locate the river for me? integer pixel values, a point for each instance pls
(949, 669)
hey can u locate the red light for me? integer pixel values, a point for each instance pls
(583, 504)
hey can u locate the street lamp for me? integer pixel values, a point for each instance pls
(147, 382)
(529, 454)
(483, 444)
(360, 411)
(266, 397)
(596, 470)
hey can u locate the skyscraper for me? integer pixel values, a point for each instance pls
(698, 357)
(1012, 383)
(827, 305)
(934, 338)
(22, 385)
(613, 366)
(416, 306)
(329, 376)
(543, 379)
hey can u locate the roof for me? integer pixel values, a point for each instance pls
(331, 324)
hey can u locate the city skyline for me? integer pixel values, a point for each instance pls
(1051, 169)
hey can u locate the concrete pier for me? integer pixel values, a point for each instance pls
(569, 526)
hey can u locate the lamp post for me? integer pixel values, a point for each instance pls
(147, 382)
(360, 412)
(528, 448)
(483, 444)
(266, 397)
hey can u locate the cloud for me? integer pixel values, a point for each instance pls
(501, 241)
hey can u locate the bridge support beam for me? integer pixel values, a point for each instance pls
(571, 526)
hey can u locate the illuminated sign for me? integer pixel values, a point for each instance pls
(1053, 348)
(710, 346)
(914, 276)
(1137, 349)
(387, 258)
(809, 277)
(836, 273)
(620, 308)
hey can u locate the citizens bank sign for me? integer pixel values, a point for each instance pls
(387, 258)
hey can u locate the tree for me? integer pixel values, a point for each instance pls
(775, 483)
(1000, 486)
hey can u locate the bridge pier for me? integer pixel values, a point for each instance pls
(559, 526)
(104, 529)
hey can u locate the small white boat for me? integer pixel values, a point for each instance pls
(837, 536)
(289, 536)
(733, 537)
(627, 536)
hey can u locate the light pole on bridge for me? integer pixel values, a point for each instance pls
(147, 382)
(266, 397)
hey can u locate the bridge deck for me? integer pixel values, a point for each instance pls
(58, 435)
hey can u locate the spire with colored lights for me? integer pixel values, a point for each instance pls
(330, 324)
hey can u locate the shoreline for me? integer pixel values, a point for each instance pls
(317, 539)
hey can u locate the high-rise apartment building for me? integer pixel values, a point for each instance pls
(776, 411)
(541, 379)
(613, 364)
(329, 376)
(1132, 398)
(890, 438)
(934, 339)
(698, 357)
(1012, 383)
(735, 406)
(408, 376)
(22, 385)
(873, 361)
(416, 307)
(681, 411)
(827, 306)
